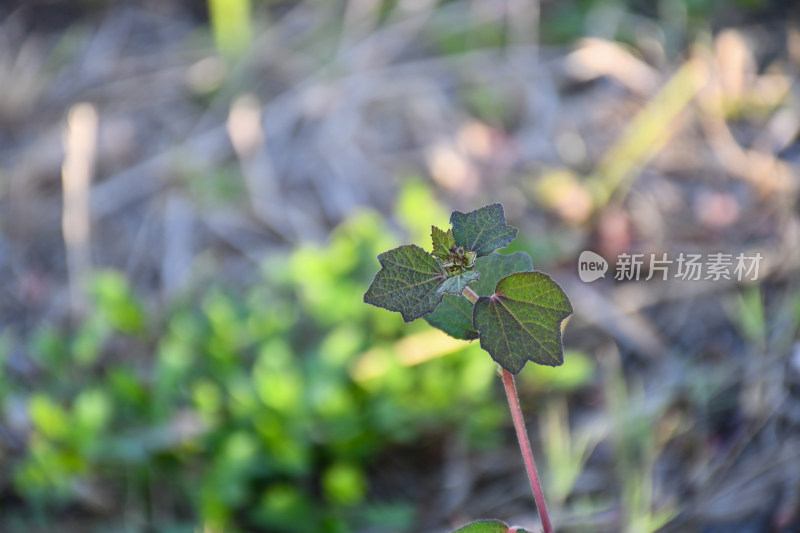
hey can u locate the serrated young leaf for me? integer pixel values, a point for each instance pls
(484, 526)
(442, 241)
(482, 231)
(521, 321)
(454, 314)
(407, 282)
(456, 284)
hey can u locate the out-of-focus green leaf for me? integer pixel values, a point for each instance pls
(49, 348)
(230, 20)
(276, 379)
(116, 302)
(751, 315)
(576, 371)
(417, 208)
(207, 397)
(92, 410)
(344, 484)
(48, 417)
(284, 507)
(90, 339)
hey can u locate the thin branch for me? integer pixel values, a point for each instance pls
(525, 447)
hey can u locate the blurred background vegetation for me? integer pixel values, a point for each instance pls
(192, 196)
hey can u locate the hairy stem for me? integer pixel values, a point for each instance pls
(470, 295)
(525, 447)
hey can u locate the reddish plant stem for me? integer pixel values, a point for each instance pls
(525, 447)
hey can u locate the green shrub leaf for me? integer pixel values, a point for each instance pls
(521, 321)
(454, 314)
(407, 282)
(456, 284)
(482, 231)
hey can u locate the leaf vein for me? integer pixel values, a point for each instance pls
(521, 324)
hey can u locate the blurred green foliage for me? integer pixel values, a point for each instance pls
(267, 407)
(230, 23)
(234, 22)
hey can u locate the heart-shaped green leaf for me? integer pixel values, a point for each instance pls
(456, 284)
(484, 526)
(442, 242)
(407, 282)
(521, 321)
(482, 231)
(454, 314)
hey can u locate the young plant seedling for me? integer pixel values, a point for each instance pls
(469, 291)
